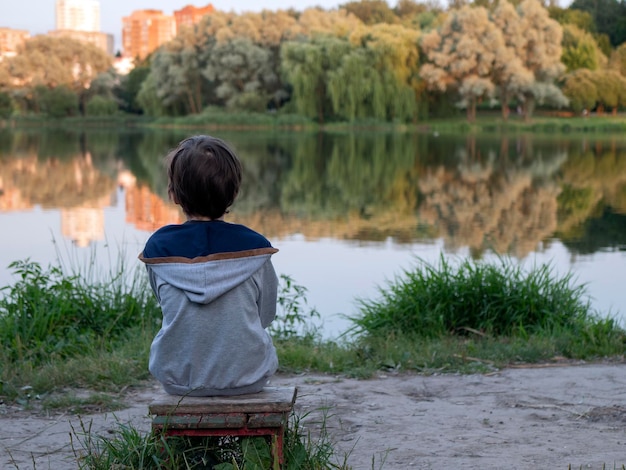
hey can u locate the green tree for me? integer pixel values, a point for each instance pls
(306, 65)
(148, 99)
(580, 88)
(176, 70)
(101, 106)
(609, 17)
(243, 74)
(6, 105)
(581, 19)
(617, 59)
(129, 87)
(611, 88)
(58, 102)
(580, 50)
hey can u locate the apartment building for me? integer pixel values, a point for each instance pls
(145, 30)
(10, 40)
(78, 15)
(190, 15)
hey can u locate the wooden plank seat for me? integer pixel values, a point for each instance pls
(260, 414)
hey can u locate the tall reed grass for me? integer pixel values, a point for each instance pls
(473, 297)
(47, 314)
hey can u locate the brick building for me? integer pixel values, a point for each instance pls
(145, 30)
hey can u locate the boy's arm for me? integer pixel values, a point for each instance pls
(268, 293)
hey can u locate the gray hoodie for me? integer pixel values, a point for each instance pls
(215, 310)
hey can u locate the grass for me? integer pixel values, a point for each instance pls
(63, 331)
(488, 121)
(498, 299)
(132, 449)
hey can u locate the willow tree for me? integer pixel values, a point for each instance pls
(306, 66)
(378, 77)
(462, 55)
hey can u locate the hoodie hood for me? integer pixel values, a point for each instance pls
(206, 278)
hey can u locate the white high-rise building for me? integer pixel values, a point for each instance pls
(78, 15)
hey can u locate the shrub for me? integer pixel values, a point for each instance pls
(6, 105)
(57, 102)
(101, 106)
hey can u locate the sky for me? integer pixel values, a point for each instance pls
(37, 16)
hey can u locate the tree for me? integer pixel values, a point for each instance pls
(129, 87)
(101, 106)
(540, 52)
(579, 18)
(580, 89)
(608, 16)
(176, 70)
(243, 74)
(462, 55)
(306, 65)
(6, 105)
(617, 60)
(580, 50)
(337, 23)
(381, 78)
(511, 76)
(371, 11)
(611, 88)
(55, 61)
(148, 99)
(58, 102)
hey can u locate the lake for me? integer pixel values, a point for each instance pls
(348, 211)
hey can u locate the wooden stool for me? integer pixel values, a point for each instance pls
(260, 414)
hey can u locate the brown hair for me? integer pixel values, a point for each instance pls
(204, 176)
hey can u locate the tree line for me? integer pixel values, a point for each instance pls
(364, 60)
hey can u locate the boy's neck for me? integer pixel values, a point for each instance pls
(204, 219)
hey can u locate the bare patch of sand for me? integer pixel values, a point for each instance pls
(517, 418)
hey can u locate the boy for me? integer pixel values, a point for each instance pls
(214, 281)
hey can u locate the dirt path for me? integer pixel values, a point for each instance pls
(526, 418)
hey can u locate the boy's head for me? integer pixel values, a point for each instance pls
(204, 176)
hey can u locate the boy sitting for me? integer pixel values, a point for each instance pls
(214, 281)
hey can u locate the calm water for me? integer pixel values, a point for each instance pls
(347, 211)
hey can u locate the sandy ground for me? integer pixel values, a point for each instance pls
(519, 418)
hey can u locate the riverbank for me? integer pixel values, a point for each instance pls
(552, 415)
(212, 119)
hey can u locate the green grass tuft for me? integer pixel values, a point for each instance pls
(480, 298)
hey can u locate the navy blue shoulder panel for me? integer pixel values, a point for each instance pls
(200, 238)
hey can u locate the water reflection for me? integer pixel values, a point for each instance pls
(501, 194)
(512, 194)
